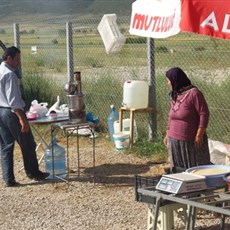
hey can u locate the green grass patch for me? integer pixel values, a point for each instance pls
(38, 86)
(156, 150)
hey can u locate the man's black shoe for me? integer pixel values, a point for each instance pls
(12, 184)
(40, 176)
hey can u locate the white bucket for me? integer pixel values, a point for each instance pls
(121, 140)
(135, 94)
(126, 127)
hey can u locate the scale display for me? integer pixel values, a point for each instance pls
(181, 183)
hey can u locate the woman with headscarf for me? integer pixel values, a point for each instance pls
(188, 119)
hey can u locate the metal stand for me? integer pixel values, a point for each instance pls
(69, 129)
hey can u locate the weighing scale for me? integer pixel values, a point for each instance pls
(181, 183)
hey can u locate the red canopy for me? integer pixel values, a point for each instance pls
(208, 17)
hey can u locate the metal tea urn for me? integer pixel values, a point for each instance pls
(75, 99)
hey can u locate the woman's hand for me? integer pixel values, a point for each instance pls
(198, 141)
(166, 140)
(199, 137)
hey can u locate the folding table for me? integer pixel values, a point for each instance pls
(35, 124)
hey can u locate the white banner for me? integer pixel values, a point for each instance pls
(155, 18)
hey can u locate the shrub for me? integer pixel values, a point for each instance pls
(54, 41)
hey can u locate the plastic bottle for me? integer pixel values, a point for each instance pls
(58, 161)
(113, 116)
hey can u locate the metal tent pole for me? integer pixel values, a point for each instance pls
(152, 87)
(69, 39)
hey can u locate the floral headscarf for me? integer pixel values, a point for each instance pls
(178, 80)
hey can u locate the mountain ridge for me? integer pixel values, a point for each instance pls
(21, 10)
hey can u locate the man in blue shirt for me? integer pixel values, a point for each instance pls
(14, 125)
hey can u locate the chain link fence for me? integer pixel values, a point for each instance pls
(204, 59)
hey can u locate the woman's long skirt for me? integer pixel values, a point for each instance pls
(184, 154)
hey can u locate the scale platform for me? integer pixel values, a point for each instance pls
(181, 183)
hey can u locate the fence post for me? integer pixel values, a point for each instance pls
(152, 87)
(69, 39)
(19, 69)
(16, 35)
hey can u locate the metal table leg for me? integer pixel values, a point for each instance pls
(193, 218)
(156, 213)
(69, 129)
(40, 144)
(188, 218)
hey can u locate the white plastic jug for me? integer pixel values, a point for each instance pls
(126, 127)
(135, 94)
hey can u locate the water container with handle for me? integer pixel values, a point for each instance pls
(58, 160)
(113, 116)
(135, 94)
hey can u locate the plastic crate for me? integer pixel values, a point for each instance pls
(144, 182)
(111, 36)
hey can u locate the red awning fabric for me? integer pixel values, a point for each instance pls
(207, 17)
(164, 18)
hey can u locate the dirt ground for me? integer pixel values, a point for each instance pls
(104, 202)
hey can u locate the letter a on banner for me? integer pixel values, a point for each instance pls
(210, 18)
(155, 18)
